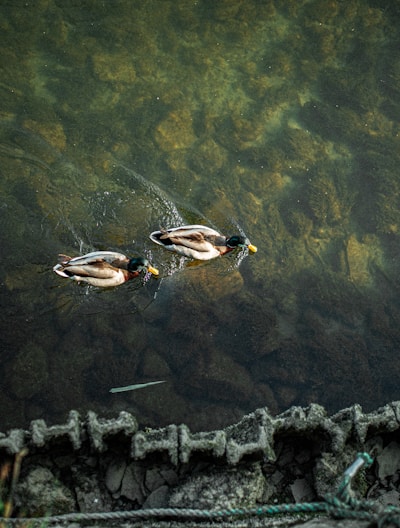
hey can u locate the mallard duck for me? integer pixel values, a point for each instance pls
(199, 242)
(102, 268)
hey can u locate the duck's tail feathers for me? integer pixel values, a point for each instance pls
(63, 259)
(58, 268)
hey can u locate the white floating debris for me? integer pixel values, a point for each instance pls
(134, 387)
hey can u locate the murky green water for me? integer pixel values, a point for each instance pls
(279, 119)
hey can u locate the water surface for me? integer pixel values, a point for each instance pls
(277, 119)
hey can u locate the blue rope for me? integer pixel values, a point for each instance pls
(342, 505)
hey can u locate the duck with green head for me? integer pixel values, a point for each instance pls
(102, 268)
(199, 242)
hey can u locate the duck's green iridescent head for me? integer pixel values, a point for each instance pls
(140, 264)
(240, 241)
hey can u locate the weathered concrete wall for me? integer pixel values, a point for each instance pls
(96, 465)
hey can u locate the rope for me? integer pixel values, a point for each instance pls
(341, 505)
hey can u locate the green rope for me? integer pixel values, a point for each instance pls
(342, 505)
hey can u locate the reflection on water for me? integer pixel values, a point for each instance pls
(275, 119)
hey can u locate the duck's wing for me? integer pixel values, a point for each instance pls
(198, 243)
(95, 258)
(190, 230)
(193, 241)
(202, 239)
(196, 237)
(99, 270)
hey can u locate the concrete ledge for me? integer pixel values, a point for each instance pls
(255, 435)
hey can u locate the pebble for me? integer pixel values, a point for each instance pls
(114, 475)
(389, 460)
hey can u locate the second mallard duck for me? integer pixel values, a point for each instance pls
(199, 242)
(102, 268)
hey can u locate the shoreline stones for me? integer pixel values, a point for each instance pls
(299, 455)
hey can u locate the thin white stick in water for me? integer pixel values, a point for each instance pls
(137, 386)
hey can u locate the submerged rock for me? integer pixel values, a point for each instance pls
(176, 131)
(30, 371)
(220, 489)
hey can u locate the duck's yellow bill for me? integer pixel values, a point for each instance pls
(152, 270)
(252, 248)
